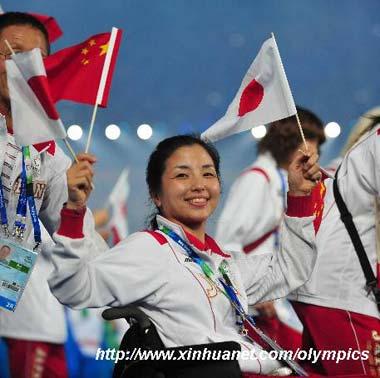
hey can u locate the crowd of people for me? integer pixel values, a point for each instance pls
(280, 235)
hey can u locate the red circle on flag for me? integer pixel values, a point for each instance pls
(251, 97)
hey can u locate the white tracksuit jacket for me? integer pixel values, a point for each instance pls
(38, 316)
(254, 208)
(338, 280)
(168, 286)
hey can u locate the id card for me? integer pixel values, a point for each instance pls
(16, 265)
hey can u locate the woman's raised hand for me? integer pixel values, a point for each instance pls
(303, 173)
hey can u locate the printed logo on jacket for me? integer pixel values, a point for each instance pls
(39, 187)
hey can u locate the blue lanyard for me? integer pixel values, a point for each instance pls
(19, 225)
(228, 289)
(3, 211)
(26, 197)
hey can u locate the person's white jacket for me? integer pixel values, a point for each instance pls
(254, 207)
(338, 280)
(38, 316)
(155, 272)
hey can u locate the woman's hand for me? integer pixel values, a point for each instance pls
(303, 174)
(79, 181)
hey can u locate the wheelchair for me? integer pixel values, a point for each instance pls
(142, 334)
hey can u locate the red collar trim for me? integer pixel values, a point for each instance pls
(209, 243)
(47, 146)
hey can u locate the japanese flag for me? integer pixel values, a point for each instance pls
(35, 118)
(264, 96)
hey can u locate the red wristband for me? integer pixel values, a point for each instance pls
(300, 206)
(72, 223)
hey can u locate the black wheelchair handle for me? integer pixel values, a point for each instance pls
(128, 312)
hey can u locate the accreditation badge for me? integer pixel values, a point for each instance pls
(16, 265)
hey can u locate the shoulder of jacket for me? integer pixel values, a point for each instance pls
(146, 237)
(359, 151)
(161, 239)
(255, 169)
(264, 165)
(369, 137)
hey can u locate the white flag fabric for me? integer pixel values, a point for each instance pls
(264, 96)
(118, 201)
(35, 118)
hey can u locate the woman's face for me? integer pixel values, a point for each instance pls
(190, 187)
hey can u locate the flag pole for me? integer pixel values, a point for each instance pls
(9, 46)
(65, 140)
(102, 82)
(297, 117)
(301, 131)
(71, 150)
(91, 126)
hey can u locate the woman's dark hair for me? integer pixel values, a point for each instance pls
(157, 162)
(283, 136)
(20, 18)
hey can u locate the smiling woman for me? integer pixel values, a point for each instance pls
(174, 271)
(184, 182)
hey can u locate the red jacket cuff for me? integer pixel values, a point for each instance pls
(72, 223)
(302, 206)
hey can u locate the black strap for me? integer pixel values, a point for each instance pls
(346, 217)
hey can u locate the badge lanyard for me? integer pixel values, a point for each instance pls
(17, 266)
(227, 288)
(3, 211)
(26, 197)
(225, 285)
(19, 225)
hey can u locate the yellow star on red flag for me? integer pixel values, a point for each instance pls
(87, 61)
(103, 49)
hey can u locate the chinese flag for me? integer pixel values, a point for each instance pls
(83, 73)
